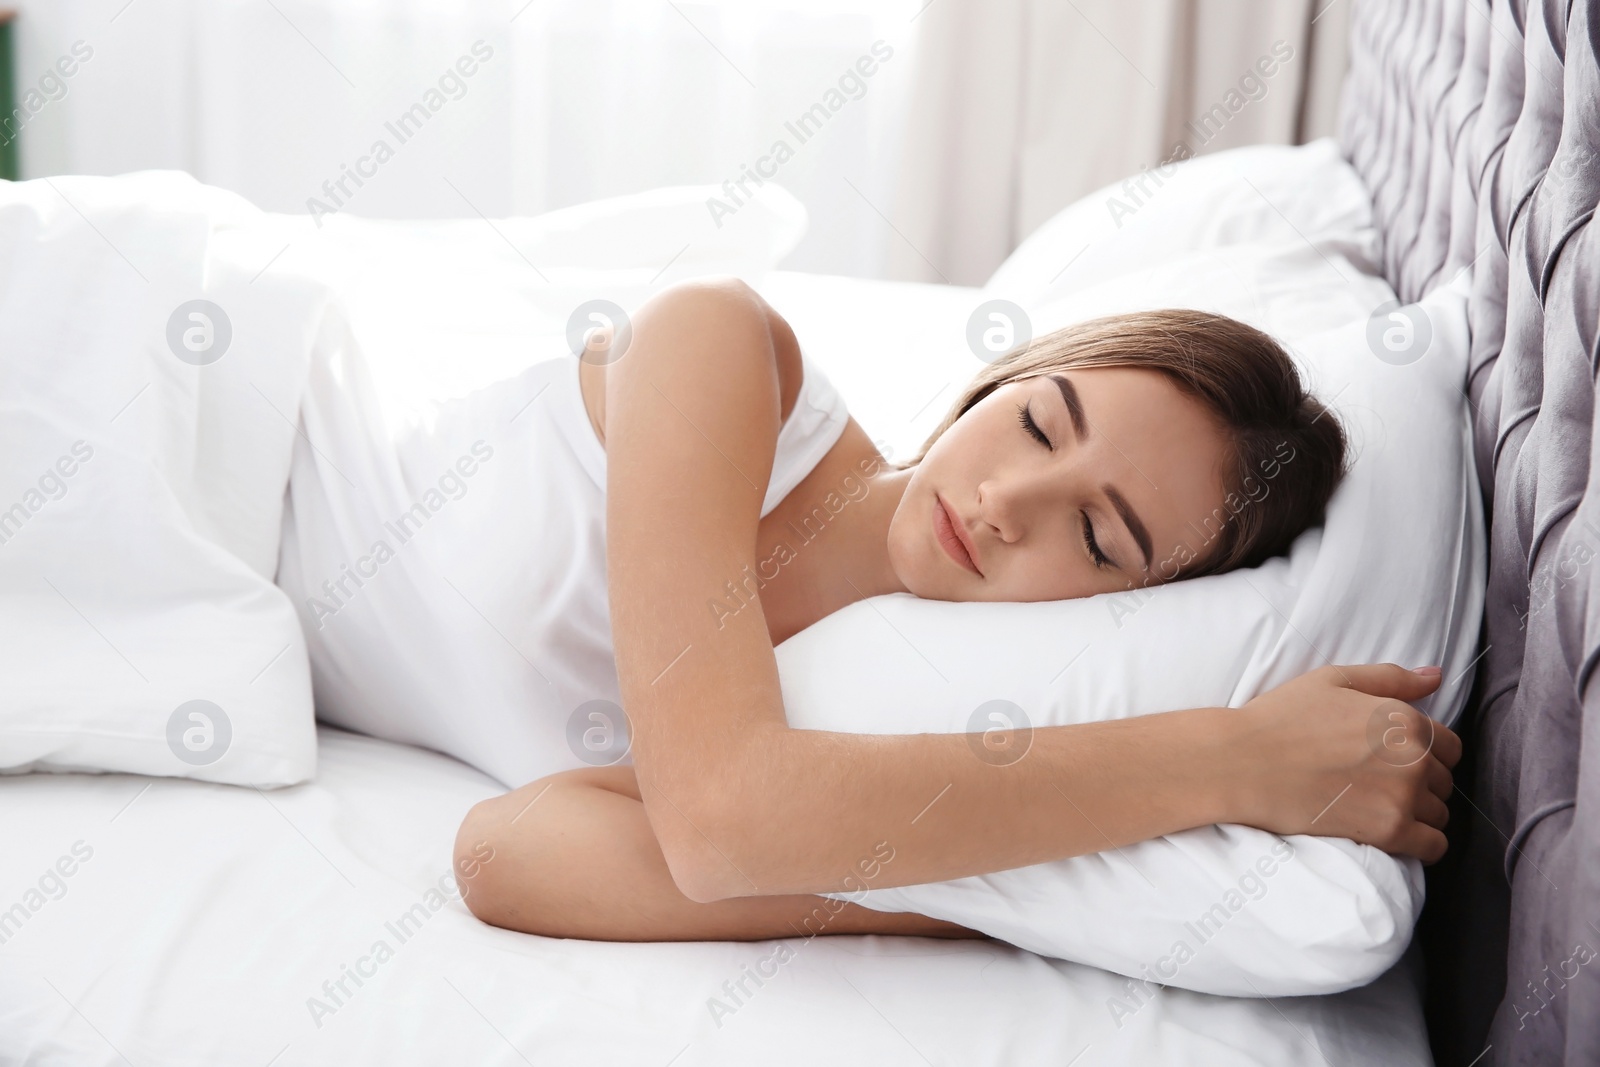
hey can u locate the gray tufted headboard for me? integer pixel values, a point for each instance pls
(1476, 125)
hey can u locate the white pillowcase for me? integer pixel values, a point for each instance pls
(1263, 194)
(497, 296)
(143, 459)
(1395, 574)
(141, 494)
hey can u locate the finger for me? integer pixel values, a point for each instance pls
(1432, 811)
(1446, 745)
(1404, 733)
(1386, 680)
(1437, 775)
(1422, 842)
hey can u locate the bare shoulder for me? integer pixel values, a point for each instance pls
(711, 298)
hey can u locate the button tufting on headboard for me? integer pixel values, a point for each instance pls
(1476, 126)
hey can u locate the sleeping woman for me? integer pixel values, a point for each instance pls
(1106, 456)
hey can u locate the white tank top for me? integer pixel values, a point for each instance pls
(451, 582)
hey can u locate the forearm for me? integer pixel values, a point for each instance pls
(573, 856)
(810, 807)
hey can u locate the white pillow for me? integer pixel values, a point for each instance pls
(1263, 194)
(137, 575)
(495, 295)
(1395, 574)
(143, 459)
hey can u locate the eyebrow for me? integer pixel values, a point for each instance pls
(1135, 527)
(1069, 393)
(1080, 426)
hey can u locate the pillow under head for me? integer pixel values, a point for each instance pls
(1395, 573)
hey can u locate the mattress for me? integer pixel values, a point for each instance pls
(209, 925)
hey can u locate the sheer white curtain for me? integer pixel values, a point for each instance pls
(1022, 106)
(940, 132)
(524, 106)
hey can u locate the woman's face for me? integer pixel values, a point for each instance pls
(1131, 462)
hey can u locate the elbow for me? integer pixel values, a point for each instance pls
(732, 832)
(473, 864)
(707, 872)
(712, 848)
(699, 880)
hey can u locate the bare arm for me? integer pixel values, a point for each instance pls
(742, 805)
(573, 855)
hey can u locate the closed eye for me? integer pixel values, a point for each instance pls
(1090, 543)
(1025, 417)
(1100, 558)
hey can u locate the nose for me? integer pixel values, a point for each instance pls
(1014, 501)
(1004, 506)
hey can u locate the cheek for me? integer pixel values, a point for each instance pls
(1056, 567)
(1039, 572)
(911, 548)
(905, 544)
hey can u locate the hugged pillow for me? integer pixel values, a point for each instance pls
(1396, 573)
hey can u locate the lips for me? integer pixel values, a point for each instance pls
(951, 536)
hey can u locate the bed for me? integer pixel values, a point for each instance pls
(214, 925)
(167, 920)
(207, 923)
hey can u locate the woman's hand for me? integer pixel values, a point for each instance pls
(1338, 752)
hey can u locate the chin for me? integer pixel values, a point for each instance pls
(925, 578)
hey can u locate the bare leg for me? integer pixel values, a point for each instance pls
(573, 855)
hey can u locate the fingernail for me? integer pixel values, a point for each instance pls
(1426, 672)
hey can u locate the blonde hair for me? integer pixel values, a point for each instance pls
(1244, 379)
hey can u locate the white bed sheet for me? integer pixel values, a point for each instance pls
(206, 917)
